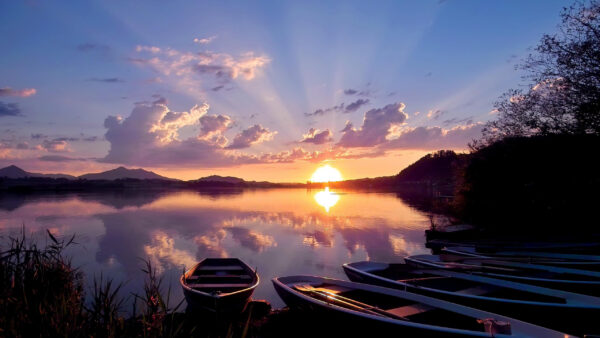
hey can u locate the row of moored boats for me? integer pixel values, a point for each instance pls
(459, 292)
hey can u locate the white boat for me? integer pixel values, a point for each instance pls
(574, 280)
(368, 310)
(565, 311)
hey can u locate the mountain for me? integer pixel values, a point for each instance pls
(16, 172)
(122, 172)
(217, 178)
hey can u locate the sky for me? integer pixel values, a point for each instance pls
(263, 90)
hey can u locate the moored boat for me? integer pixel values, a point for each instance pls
(566, 260)
(362, 307)
(574, 280)
(222, 285)
(560, 310)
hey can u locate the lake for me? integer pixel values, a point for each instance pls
(278, 231)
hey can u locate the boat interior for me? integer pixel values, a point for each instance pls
(386, 306)
(220, 276)
(406, 274)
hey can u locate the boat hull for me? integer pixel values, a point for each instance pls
(574, 320)
(234, 303)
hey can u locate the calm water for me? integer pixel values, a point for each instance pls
(280, 232)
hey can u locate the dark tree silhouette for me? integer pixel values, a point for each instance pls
(563, 95)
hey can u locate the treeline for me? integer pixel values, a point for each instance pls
(44, 184)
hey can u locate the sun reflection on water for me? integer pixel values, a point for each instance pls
(326, 198)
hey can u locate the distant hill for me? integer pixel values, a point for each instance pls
(16, 172)
(122, 172)
(438, 167)
(217, 178)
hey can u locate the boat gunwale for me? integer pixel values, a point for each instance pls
(441, 265)
(569, 302)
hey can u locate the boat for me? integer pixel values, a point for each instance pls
(574, 280)
(560, 310)
(220, 285)
(567, 260)
(452, 231)
(357, 307)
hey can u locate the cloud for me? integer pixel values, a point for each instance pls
(323, 111)
(9, 109)
(350, 91)
(219, 67)
(375, 128)
(316, 137)
(149, 136)
(428, 138)
(253, 135)
(26, 92)
(354, 106)
(252, 240)
(435, 114)
(213, 127)
(205, 41)
(59, 158)
(217, 88)
(107, 80)
(55, 146)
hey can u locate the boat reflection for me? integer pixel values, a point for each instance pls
(326, 198)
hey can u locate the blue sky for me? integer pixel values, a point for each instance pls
(262, 74)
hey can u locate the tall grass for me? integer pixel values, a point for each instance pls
(42, 295)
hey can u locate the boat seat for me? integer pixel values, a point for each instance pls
(216, 286)
(195, 277)
(475, 291)
(420, 279)
(220, 268)
(409, 310)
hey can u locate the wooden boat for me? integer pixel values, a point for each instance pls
(565, 311)
(453, 231)
(382, 310)
(492, 246)
(574, 280)
(575, 261)
(222, 285)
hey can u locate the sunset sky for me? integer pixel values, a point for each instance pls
(266, 90)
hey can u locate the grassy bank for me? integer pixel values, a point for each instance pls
(43, 295)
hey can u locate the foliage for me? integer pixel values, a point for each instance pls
(538, 184)
(563, 95)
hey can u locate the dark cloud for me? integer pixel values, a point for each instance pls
(55, 146)
(217, 88)
(375, 128)
(38, 136)
(316, 137)
(9, 109)
(107, 80)
(59, 158)
(90, 138)
(253, 135)
(350, 91)
(455, 120)
(354, 106)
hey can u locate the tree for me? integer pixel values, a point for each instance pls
(563, 95)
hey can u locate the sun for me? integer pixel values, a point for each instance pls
(326, 173)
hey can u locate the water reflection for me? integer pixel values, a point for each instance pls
(281, 232)
(326, 198)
